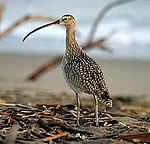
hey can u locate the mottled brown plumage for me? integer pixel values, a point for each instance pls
(80, 71)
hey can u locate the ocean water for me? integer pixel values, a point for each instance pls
(131, 21)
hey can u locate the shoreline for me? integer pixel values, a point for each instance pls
(123, 77)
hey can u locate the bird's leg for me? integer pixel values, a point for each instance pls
(78, 108)
(104, 112)
(96, 111)
(105, 109)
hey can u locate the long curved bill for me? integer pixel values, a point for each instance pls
(46, 25)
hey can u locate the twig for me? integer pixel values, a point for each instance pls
(101, 16)
(37, 135)
(23, 21)
(2, 8)
(6, 104)
(90, 44)
(66, 127)
(111, 135)
(4, 113)
(44, 68)
(117, 132)
(137, 137)
(57, 60)
(100, 43)
(55, 136)
(43, 124)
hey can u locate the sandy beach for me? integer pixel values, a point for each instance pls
(46, 110)
(123, 77)
(48, 102)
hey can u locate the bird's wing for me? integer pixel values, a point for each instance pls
(84, 73)
(92, 78)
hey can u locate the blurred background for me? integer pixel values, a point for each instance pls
(126, 68)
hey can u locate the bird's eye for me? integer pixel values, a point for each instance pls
(65, 19)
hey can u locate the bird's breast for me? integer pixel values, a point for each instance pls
(70, 75)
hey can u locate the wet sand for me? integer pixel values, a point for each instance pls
(128, 77)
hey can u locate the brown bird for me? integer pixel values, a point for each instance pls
(80, 71)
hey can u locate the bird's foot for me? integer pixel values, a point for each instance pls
(104, 115)
(97, 124)
(78, 125)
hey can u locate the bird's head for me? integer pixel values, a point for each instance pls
(66, 20)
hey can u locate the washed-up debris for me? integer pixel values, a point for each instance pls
(57, 123)
(127, 121)
(145, 138)
(12, 135)
(47, 123)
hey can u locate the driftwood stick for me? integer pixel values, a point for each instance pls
(23, 21)
(68, 128)
(2, 8)
(101, 15)
(90, 44)
(44, 68)
(55, 136)
(57, 60)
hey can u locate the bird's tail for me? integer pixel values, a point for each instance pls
(105, 98)
(108, 102)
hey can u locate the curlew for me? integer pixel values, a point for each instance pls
(80, 71)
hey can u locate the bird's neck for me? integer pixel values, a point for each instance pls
(71, 43)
